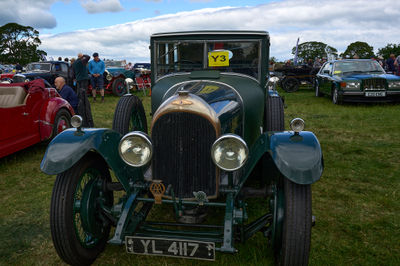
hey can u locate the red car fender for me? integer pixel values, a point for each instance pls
(48, 113)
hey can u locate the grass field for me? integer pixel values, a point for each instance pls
(356, 203)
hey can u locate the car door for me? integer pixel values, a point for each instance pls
(21, 124)
(325, 78)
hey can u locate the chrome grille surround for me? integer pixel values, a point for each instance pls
(374, 84)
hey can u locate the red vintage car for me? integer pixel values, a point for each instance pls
(30, 113)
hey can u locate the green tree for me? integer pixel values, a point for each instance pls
(311, 50)
(19, 44)
(362, 49)
(389, 49)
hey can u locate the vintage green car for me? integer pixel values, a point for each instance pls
(356, 80)
(217, 138)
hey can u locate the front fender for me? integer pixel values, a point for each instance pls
(48, 113)
(297, 157)
(70, 146)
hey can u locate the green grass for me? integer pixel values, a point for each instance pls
(356, 202)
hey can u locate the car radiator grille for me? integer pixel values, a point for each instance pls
(374, 84)
(182, 153)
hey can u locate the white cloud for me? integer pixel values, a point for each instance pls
(27, 13)
(101, 6)
(336, 23)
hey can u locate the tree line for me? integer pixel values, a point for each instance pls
(312, 50)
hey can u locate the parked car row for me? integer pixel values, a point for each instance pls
(114, 75)
(348, 80)
(217, 137)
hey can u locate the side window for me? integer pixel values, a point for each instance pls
(327, 69)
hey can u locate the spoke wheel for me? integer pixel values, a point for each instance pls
(129, 115)
(62, 121)
(290, 84)
(118, 87)
(292, 220)
(78, 227)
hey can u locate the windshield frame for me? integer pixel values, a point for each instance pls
(206, 43)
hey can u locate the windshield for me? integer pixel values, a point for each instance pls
(113, 63)
(38, 67)
(226, 56)
(346, 67)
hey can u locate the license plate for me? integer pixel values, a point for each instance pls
(189, 249)
(375, 93)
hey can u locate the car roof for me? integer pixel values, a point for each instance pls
(349, 60)
(247, 33)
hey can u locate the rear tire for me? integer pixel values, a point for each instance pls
(129, 115)
(78, 228)
(274, 114)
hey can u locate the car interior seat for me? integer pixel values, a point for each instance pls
(12, 96)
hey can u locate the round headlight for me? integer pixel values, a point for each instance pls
(109, 77)
(297, 125)
(76, 121)
(135, 148)
(229, 152)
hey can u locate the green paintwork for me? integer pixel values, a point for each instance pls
(297, 157)
(70, 146)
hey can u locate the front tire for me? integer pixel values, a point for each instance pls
(129, 115)
(78, 228)
(293, 223)
(290, 84)
(317, 90)
(335, 96)
(118, 87)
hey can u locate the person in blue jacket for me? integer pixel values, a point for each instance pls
(97, 68)
(66, 92)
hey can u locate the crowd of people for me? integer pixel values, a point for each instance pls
(81, 68)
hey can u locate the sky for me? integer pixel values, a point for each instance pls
(121, 29)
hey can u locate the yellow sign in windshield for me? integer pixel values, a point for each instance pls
(218, 58)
